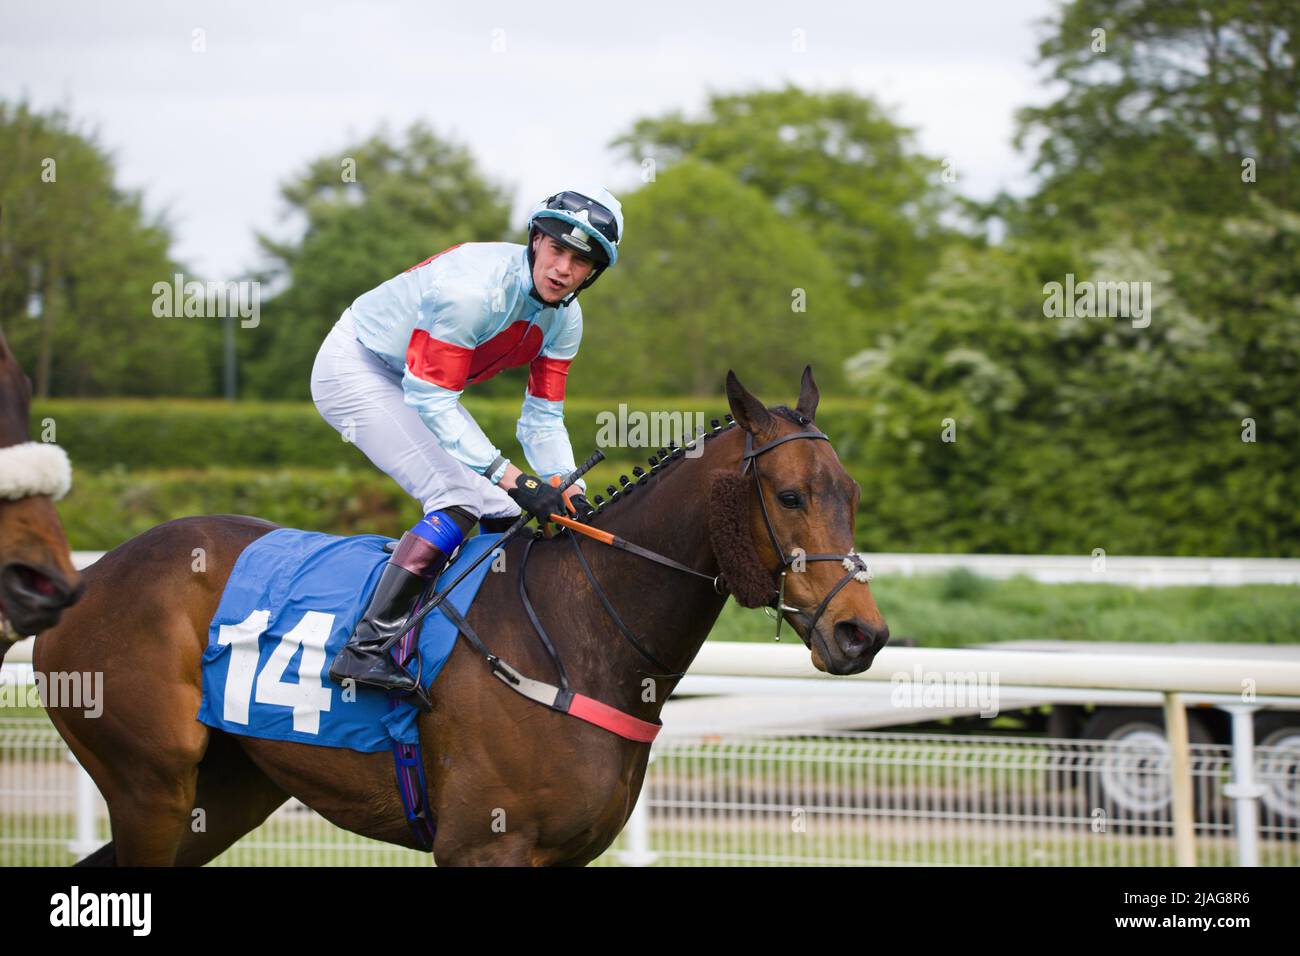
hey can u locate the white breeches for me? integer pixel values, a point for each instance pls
(361, 397)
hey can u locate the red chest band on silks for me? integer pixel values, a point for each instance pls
(454, 366)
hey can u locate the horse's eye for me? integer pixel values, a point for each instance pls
(790, 499)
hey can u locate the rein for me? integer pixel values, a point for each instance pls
(563, 698)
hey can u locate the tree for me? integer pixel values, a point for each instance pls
(78, 262)
(366, 213)
(711, 277)
(1166, 104)
(834, 163)
(1176, 437)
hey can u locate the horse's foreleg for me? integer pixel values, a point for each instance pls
(149, 815)
(150, 787)
(233, 798)
(148, 782)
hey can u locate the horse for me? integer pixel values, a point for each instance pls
(37, 578)
(510, 782)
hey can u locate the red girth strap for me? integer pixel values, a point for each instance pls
(566, 702)
(615, 721)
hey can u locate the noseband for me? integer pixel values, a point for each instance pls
(855, 567)
(34, 468)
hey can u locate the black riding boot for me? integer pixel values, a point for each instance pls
(414, 562)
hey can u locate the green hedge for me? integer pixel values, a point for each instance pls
(177, 433)
(188, 433)
(105, 508)
(1031, 489)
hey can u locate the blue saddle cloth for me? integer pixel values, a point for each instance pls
(292, 601)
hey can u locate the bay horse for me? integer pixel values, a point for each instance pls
(37, 578)
(510, 782)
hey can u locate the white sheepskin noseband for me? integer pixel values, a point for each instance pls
(857, 564)
(34, 468)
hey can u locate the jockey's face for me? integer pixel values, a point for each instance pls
(557, 269)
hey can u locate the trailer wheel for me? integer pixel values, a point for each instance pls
(1279, 771)
(1129, 783)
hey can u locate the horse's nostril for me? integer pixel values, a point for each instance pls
(30, 585)
(854, 634)
(859, 635)
(39, 582)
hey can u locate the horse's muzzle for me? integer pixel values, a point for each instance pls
(856, 643)
(32, 599)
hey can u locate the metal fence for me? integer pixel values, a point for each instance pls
(864, 798)
(874, 798)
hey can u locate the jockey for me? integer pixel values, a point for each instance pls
(390, 374)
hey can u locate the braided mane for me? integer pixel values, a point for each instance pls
(664, 458)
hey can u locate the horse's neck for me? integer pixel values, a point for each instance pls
(671, 612)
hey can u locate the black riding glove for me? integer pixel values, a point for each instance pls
(537, 498)
(582, 506)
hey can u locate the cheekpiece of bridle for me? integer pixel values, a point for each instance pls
(855, 567)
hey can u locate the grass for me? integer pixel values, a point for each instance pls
(775, 845)
(23, 713)
(958, 609)
(758, 839)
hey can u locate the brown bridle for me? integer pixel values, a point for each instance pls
(855, 567)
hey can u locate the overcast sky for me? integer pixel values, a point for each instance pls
(535, 90)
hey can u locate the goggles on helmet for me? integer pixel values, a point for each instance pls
(600, 218)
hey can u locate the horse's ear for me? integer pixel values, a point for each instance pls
(747, 410)
(808, 394)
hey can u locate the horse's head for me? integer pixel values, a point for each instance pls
(37, 578)
(792, 508)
